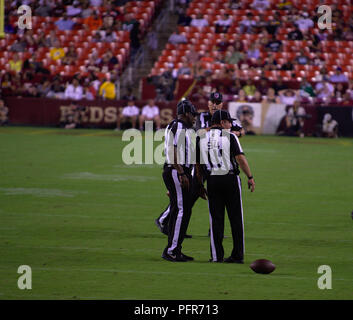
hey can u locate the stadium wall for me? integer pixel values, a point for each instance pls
(103, 113)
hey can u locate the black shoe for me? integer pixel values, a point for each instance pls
(218, 261)
(173, 258)
(232, 260)
(187, 257)
(188, 236)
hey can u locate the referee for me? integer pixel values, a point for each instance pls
(220, 154)
(215, 103)
(178, 180)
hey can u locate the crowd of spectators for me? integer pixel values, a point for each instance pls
(32, 78)
(233, 57)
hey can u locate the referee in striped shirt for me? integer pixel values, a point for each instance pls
(221, 155)
(179, 151)
(203, 121)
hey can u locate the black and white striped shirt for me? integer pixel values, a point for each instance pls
(216, 151)
(179, 136)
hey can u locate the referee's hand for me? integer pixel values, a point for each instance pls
(251, 184)
(184, 181)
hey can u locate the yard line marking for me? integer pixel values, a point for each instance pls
(107, 177)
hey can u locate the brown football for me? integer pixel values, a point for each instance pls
(262, 266)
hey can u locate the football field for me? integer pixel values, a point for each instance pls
(84, 221)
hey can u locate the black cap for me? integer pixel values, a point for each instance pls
(216, 97)
(220, 115)
(235, 125)
(185, 106)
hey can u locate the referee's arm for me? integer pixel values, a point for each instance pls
(244, 166)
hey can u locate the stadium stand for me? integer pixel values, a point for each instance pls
(77, 34)
(320, 55)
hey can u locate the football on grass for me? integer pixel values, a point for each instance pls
(262, 266)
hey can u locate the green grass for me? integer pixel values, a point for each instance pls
(84, 221)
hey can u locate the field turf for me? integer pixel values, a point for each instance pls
(84, 221)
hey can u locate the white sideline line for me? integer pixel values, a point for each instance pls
(207, 274)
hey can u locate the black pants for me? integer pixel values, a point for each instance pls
(194, 195)
(180, 210)
(225, 192)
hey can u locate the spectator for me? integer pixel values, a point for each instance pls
(274, 23)
(183, 18)
(253, 51)
(4, 111)
(177, 38)
(260, 5)
(57, 91)
(270, 63)
(51, 39)
(236, 87)
(223, 25)
(256, 98)
(339, 76)
(65, 23)
(263, 86)
(241, 97)
(107, 90)
(184, 70)
(15, 64)
(274, 45)
(339, 91)
(306, 89)
(304, 23)
(324, 90)
(70, 56)
(129, 22)
(73, 10)
(9, 27)
(249, 88)
(192, 57)
(294, 120)
(235, 4)
(56, 52)
(296, 34)
(129, 95)
(74, 91)
(18, 46)
(44, 88)
(287, 66)
(44, 10)
(279, 85)
(86, 11)
(167, 83)
(150, 112)
(152, 43)
(208, 87)
(302, 58)
(287, 97)
(285, 5)
(129, 114)
(199, 21)
(234, 54)
(271, 96)
(329, 126)
(248, 24)
(223, 43)
(75, 116)
(93, 22)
